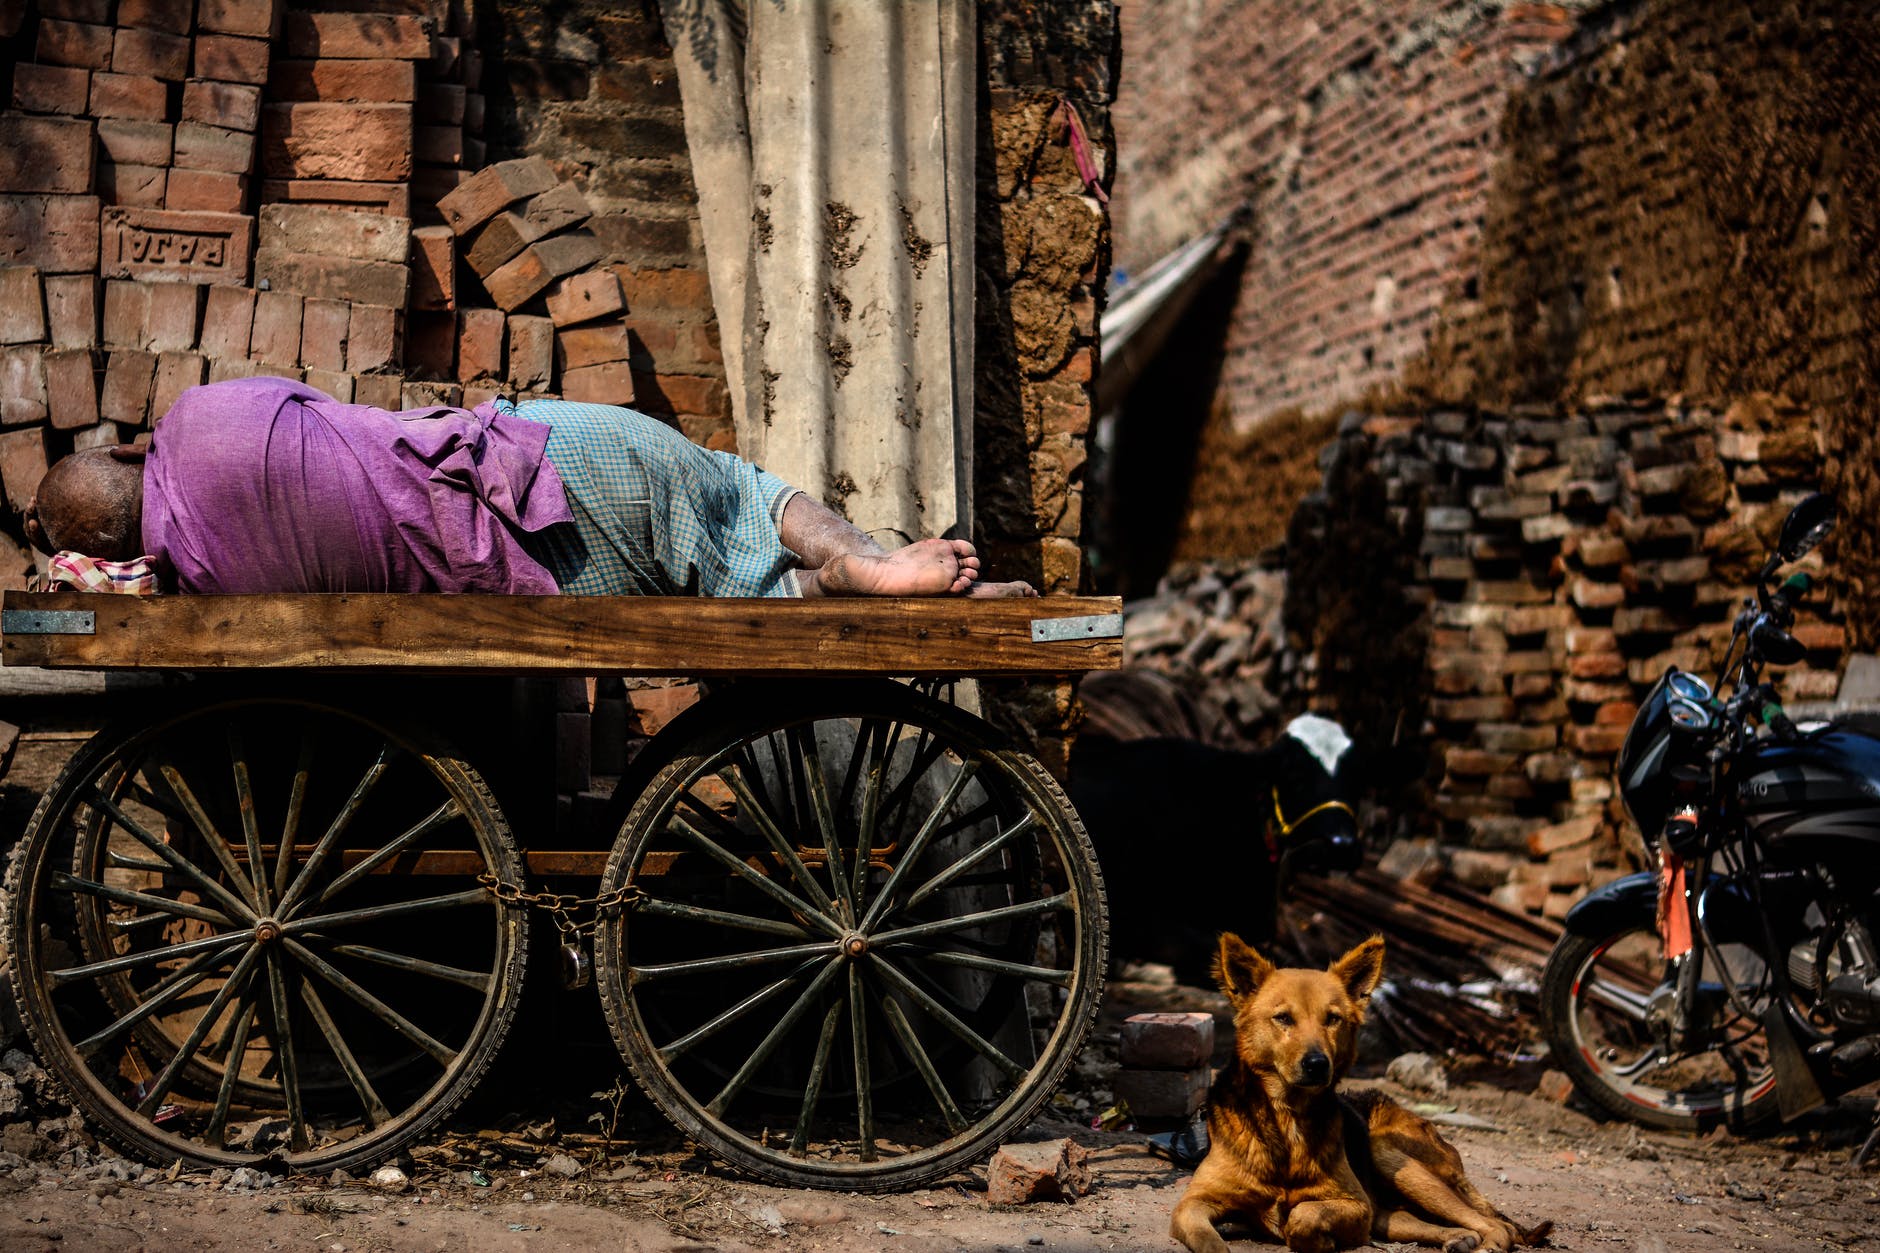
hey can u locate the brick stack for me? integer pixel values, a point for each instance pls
(1165, 1074)
(446, 142)
(221, 105)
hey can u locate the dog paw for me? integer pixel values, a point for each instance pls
(1462, 1242)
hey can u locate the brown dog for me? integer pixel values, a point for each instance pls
(1303, 1164)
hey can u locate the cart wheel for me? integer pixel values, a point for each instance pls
(864, 940)
(253, 930)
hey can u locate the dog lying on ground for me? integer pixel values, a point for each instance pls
(1292, 1157)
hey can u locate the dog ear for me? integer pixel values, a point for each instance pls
(1362, 968)
(1238, 969)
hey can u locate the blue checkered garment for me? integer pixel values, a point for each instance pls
(655, 514)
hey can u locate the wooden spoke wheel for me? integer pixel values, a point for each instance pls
(864, 939)
(253, 930)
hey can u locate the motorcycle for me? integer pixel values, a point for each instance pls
(1739, 980)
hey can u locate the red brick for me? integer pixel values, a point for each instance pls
(381, 391)
(389, 198)
(371, 338)
(58, 234)
(72, 310)
(479, 344)
(175, 310)
(498, 241)
(259, 18)
(540, 264)
(367, 82)
(221, 369)
(433, 268)
(51, 88)
(356, 35)
(72, 389)
(74, 43)
(128, 95)
(558, 209)
(127, 382)
(1162, 1093)
(597, 344)
(200, 147)
(475, 395)
(359, 142)
(584, 297)
(445, 51)
(328, 232)
(473, 112)
(610, 384)
(231, 60)
(228, 323)
(701, 341)
(177, 372)
(22, 386)
(49, 154)
(170, 16)
(22, 306)
(334, 383)
(323, 327)
(1172, 1041)
(276, 336)
(144, 186)
(489, 191)
(335, 278)
(206, 191)
(679, 290)
(531, 353)
(234, 106)
(131, 142)
(175, 247)
(441, 104)
(151, 52)
(22, 464)
(126, 314)
(679, 393)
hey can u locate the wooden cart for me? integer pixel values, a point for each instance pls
(845, 934)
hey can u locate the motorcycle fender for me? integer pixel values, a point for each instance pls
(1727, 914)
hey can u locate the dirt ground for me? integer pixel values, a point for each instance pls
(528, 1168)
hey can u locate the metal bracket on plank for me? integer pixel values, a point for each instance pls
(48, 622)
(1094, 626)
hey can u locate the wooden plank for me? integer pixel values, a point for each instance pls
(564, 635)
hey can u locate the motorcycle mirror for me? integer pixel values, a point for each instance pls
(1807, 525)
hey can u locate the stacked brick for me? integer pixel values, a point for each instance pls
(1165, 1075)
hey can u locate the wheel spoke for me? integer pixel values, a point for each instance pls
(972, 858)
(858, 1040)
(871, 812)
(769, 1043)
(1045, 974)
(205, 828)
(173, 985)
(1649, 1058)
(904, 864)
(290, 826)
(232, 1060)
(763, 883)
(1025, 909)
(809, 765)
(141, 900)
(385, 1013)
(118, 861)
(251, 829)
(130, 961)
(415, 965)
(236, 981)
(698, 913)
(767, 826)
(946, 1017)
(283, 1036)
(819, 1066)
(711, 1027)
(375, 1111)
(397, 909)
(330, 840)
(916, 1053)
(1630, 1004)
(181, 864)
(444, 813)
(731, 961)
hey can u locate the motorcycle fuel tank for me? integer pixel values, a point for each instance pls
(1817, 800)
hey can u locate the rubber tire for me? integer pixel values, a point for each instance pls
(124, 1128)
(1564, 965)
(754, 708)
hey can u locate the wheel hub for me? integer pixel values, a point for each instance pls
(855, 944)
(267, 931)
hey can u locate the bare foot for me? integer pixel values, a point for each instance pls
(982, 591)
(929, 567)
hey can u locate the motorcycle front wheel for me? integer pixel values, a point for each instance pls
(1601, 995)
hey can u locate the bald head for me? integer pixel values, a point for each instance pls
(91, 502)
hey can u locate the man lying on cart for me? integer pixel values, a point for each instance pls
(267, 485)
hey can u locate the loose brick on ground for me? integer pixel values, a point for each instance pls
(433, 268)
(358, 142)
(230, 59)
(329, 232)
(150, 52)
(22, 385)
(345, 82)
(610, 384)
(491, 190)
(276, 336)
(498, 241)
(58, 234)
(480, 344)
(335, 278)
(72, 310)
(595, 344)
(45, 154)
(175, 310)
(371, 338)
(389, 198)
(356, 35)
(22, 306)
(585, 297)
(127, 383)
(227, 323)
(126, 314)
(143, 186)
(51, 88)
(323, 328)
(531, 353)
(206, 191)
(177, 372)
(258, 18)
(216, 148)
(131, 141)
(74, 43)
(71, 389)
(1054, 1170)
(22, 464)
(233, 106)
(540, 264)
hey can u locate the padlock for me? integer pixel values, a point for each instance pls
(577, 964)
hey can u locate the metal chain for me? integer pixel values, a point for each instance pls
(561, 906)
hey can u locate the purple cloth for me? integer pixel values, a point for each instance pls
(267, 485)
